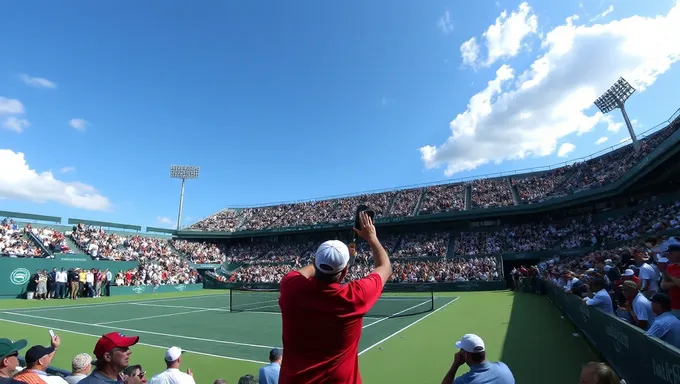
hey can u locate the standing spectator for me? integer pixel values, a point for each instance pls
(42, 285)
(315, 302)
(666, 326)
(61, 278)
(269, 374)
(671, 278)
(113, 356)
(172, 375)
(9, 353)
(75, 283)
(649, 277)
(598, 373)
(82, 279)
(89, 283)
(638, 307)
(473, 353)
(38, 359)
(98, 280)
(52, 283)
(601, 298)
(80, 368)
(109, 279)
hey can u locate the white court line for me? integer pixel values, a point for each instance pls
(146, 344)
(396, 314)
(89, 305)
(154, 317)
(140, 331)
(407, 327)
(179, 306)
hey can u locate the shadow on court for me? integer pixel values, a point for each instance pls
(539, 345)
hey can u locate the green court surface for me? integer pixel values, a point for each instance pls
(525, 331)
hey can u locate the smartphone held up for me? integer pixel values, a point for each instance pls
(357, 222)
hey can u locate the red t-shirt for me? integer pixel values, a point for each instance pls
(673, 270)
(322, 327)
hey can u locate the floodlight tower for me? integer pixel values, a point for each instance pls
(183, 172)
(616, 97)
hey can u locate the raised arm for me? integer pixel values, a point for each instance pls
(382, 262)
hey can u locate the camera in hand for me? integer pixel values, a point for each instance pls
(362, 208)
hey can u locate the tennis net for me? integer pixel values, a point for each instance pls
(403, 301)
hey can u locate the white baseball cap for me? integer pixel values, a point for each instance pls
(173, 353)
(331, 257)
(471, 343)
(628, 272)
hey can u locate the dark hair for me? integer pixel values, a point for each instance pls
(131, 369)
(220, 381)
(247, 379)
(603, 374)
(327, 277)
(477, 357)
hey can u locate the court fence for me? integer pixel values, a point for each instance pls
(211, 283)
(635, 356)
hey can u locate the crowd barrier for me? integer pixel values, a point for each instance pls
(147, 289)
(635, 356)
(16, 272)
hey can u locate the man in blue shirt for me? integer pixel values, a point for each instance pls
(666, 326)
(473, 353)
(269, 374)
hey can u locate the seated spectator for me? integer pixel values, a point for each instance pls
(135, 371)
(473, 353)
(638, 309)
(247, 379)
(666, 326)
(172, 375)
(600, 299)
(9, 353)
(80, 368)
(269, 374)
(598, 373)
(113, 355)
(38, 359)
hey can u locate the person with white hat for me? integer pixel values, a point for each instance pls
(172, 375)
(472, 352)
(322, 317)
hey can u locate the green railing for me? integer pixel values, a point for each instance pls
(105, 224)
(28, 216)
(635, 356)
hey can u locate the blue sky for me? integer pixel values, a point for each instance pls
(295, 100)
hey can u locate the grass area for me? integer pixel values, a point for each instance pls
(525, 331)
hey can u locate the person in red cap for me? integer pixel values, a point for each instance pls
(113, 356)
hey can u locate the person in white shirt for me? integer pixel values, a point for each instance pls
(638, 306)
(61, 278)
(89, 283)
(172, 375)
(648, 275)
(81, 366)
(601, 298)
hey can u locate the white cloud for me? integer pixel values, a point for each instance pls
(19, 182)
(554, 97)
(11, 106)
(67, 170)
(565, 149)
(612, 126)
(504, 38)
(79, 124)
(601, 140)
(604, 13)
(37, 82)
(163, 220)
(469, 50)
(15, 124)
(445, 24)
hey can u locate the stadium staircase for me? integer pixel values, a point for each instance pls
(31, 236)
(451, 247)
(513, 191)
(468, 196)
(416, 209)
(390, 204)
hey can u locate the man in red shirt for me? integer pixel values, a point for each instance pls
(671, 278)
(323, 318)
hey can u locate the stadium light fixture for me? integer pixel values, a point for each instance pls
(616, 97)
(185, 173)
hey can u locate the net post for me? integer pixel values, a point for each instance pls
(231, 295)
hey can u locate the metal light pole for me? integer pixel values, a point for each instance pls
(183, 172)
(616, 97)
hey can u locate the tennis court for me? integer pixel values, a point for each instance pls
(205, 325)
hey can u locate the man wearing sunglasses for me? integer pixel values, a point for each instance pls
(9, 353)
(113, 356)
